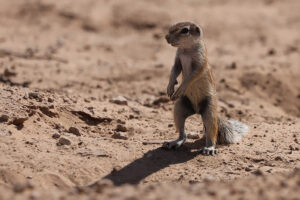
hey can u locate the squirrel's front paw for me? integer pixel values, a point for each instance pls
(179, 92)
(170, 90)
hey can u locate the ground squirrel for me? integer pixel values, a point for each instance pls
(197, 93)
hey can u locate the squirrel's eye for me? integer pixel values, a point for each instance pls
(184, 31)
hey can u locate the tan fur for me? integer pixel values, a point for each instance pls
(197, 92)
(197, 81)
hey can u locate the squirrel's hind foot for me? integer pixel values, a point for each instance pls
(209, 151)
(175, 144)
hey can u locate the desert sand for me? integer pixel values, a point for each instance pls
(84, 111)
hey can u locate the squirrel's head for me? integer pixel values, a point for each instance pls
(184, 34)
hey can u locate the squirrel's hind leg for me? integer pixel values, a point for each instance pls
(210, 122)
(183, 109)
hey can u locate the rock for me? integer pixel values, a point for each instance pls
(74, 130)
(33, 95)
(160, 100)
(18, 120)
(63, 141)
(193, 135)
(89, 26)
(50, 99)
(120, 100)
(271, 52)
(120, 135)
(248, 169)
(4, 118)
(46, 110)
(258, 172)
(56, 135)
(121, 128)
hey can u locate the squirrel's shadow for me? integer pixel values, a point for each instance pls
(153, 161)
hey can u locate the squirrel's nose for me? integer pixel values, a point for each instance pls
(167, 37)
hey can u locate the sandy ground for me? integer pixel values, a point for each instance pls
(63, 63)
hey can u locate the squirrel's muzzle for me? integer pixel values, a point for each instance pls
(167, 38)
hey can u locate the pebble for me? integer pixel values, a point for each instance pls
(56, 135)
(160, 100)
(121, 128)
(33, 95)
(278, 158)
(193, 135)
(120, 135)
(120, 100)
(63, 141)
(18, 120)
(75, 131)
(4, 117)
(248, 169)
(258, 172)
(50, 99)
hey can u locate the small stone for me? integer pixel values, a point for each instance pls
(258, 172)
(160, 100)
(121, 128)
(56, 135)
(63, 141)
(131, 116)
(4, 118)
(33, 95)
(120, 100)
(248, 169)
(292, 148)
(18, 120)
(211, 192)
(278, 158)
(120, 135)
(87, 100)
(25, 96)
(233, 65)
(66, 100)
(121, 121)
(271, 52)
(193, 135)
(74, 130)
(50, 99)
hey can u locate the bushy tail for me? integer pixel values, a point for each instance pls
(231, 131)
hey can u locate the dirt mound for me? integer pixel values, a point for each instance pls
(277, 92)
(140, 16)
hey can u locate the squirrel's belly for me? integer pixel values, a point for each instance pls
(198, 91)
